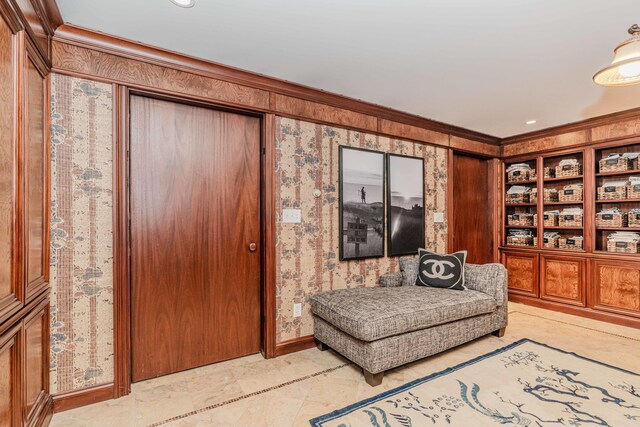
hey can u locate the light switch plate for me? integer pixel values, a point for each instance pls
(297, 309)
(438, 217)
(291, 216)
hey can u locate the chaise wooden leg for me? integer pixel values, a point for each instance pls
(321, 346)
(499, 333)
(373, 379)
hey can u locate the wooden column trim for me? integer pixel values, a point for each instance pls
(269, 237)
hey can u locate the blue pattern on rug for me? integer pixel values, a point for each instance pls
(544, 395)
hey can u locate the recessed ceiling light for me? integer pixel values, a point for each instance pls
(531, 122)
(184, 3)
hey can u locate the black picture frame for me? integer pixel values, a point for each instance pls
(405, 226)
(373, 232)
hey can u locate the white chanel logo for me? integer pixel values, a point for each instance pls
(437, 269)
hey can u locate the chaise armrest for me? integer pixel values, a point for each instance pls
(490, 279)
(390, 280)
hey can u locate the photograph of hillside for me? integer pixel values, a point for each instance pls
(361, 203)
(406, 204)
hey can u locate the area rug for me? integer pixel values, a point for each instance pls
(526, 384)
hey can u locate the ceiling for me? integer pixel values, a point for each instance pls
(488, 66)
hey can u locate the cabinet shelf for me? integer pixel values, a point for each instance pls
(618, 173)
(564, 178)
(559, 227)
(563, 203)
(618, 201)
(520, 205)
(618, 228)
(521, 226)
(533, 181)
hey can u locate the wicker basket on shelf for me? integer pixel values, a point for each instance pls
(612, 192)
(550, 196)
(550, 242)
(565, 171)
(617, 219)
(570, 195)
(569, 243)
(550, 219)
(533, 195)
(521, 219)
(517, 198)
(633, 191)
(570, 220)
(518, 176)
(619, 164)
(521, 241)
(549, 172)
(624, 247)
(633, 220)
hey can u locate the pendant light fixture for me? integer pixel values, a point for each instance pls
(625, 67)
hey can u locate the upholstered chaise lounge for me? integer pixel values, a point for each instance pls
(380, 328)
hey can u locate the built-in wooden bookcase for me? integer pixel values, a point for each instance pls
(519, 212)
(589, 280)
(559, 194)
(605, 175)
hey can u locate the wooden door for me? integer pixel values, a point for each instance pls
(472, 219)
(10, 398)
(563, 279)
(36, 364)
(522, 272)
(195, 212)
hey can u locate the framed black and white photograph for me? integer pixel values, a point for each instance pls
(405, 195)
(362, 174)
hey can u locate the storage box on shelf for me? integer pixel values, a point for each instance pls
(550, 240)
(571, 193)
(623, 242)
(521, 238)
(520, 172)
(614, 190)
(551, 218)
(568, 170)
(570, 220)
(633, 218)
(576, 242)
(549, 172)
(633, 188)
(611, 218)
(618, 162)
(550, 195)
(521, 219)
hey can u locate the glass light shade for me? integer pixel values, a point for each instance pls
(625, 67)
(184, 3)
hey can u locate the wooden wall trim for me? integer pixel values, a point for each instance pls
(296, 344)
(82, 397)
(125, 49)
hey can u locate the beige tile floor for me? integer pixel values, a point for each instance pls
(299, 395)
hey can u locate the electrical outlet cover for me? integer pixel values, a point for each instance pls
(291, 216)
(438, 217)
(297, 310)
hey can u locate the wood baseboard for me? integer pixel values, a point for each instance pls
(296, 344)
(576, 311)
(82, 397)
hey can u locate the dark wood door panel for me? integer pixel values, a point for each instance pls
(563, 279)
(35, 181)
(616, 286)
(472, 221)
(195, 191)
(10, 414)
(10, 295)
(36, 362)
(522, 270)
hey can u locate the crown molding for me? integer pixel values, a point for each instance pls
(90, 39)
(586, 124)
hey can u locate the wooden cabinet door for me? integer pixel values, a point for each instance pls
(35, 173)
(10, 291)
(36, 363)
(563, 279)
(616, 287)
(10, 414)
(522, 269)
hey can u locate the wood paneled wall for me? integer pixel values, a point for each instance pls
(25, 36)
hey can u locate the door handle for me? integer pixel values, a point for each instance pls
(252, 247)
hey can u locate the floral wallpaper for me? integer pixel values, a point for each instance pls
(81, 233)
(307, 253)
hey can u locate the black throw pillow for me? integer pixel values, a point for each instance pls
(441, 271)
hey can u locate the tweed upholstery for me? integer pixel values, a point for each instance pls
(382, 328)
(390, 280)
(490, 279)
(370, 314)
(387, 353)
